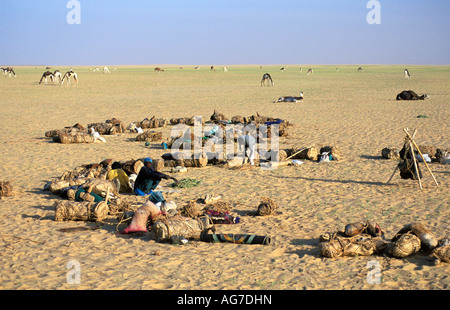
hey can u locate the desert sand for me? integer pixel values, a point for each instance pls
(355, 111)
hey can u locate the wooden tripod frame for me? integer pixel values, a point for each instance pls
(414, 147)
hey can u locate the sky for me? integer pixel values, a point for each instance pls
(224, 32)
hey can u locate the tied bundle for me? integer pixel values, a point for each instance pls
(267, 207)
(80, 211)
(149, 135)
(442, 252)
(80, 137)
(6, 189)
(188, 228)
(336, 245)
(236, 238)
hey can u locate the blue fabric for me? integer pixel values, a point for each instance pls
(138, 192)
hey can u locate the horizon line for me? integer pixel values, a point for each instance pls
(225, 65)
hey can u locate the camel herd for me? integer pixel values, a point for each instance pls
(404, 95)
(57, 77)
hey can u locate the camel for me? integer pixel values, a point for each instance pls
(410, 95)
(57, 76)
(159, 69)
(268, 78)
(45, 75)
(291, 98)
(310, 71)
(360, 69)
(406, 74)
(225, 69)
(106, 70)
(213, 69)
(68, 75)
(8, 70)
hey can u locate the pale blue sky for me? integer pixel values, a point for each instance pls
(224, 32)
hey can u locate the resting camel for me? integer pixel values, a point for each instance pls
(268, 78)
(68, 75)
(291, 98)
(410, 95)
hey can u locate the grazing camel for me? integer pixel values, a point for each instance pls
(406, 74)
(45, 75)
(57, 76)
(159, 69)
(291, 98)
(268, 78)
(310, 71)
(106, 70)
(360, 69)
(225, 69)
(213, 69)
(8, 70)
(410, 95)
(69, 74)
(283, 69)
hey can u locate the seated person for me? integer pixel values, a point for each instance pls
(118, 173)
(148, 179)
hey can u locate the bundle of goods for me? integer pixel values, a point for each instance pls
(267, 207)
(217, 210)
(430, 153)
(94, 170)
(75, 128)
(367, 239)
(153, 122)
(236, 238)
(358, 239)
(176, 159)
(314, 153)
(98, 187)
(149, 135)
(442, 252)
(6, 189)
(188, 228)
(216, 116)
(390, 153)
(189, 121)
(69, 135)
(109, 127)
(80, 211)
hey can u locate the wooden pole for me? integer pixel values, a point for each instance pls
(301, 150)
(415, 163)
(396, 167)
(415, 145)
